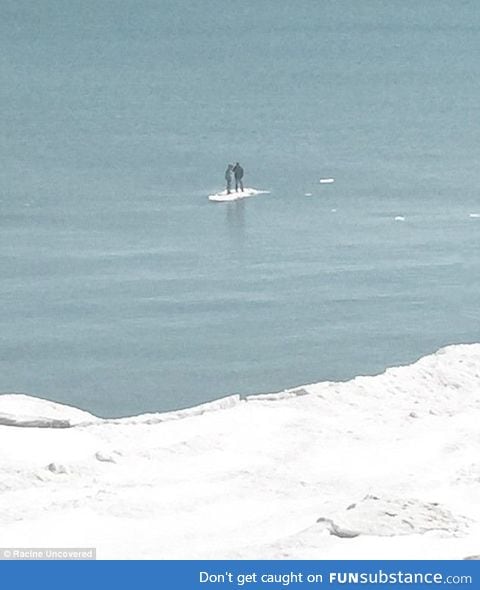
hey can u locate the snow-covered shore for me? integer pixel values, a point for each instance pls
(377, 467)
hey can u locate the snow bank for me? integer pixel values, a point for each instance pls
(377, 467)
(17, 409)
(157, 418)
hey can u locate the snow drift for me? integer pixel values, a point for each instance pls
(377, 467)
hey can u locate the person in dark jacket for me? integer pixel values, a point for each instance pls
(228, 178)
(238, 172)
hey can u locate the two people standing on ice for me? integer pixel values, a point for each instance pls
(237, 172)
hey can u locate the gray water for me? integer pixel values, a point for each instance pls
(124, 290)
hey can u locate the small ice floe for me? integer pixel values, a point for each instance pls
(234, 196)
(474, 215)
(399, 218)
(308, 194)
(333, 210)
(327, 180)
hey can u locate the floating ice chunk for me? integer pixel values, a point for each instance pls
(333, 210)
(399, 218)
(327, 180)
(308, 194)
(474, 215)
(234, 196)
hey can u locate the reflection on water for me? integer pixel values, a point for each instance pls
(236, 221)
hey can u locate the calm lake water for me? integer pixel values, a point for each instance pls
(124, 290)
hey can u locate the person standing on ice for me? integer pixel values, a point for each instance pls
(228, 178)
(238, 171)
